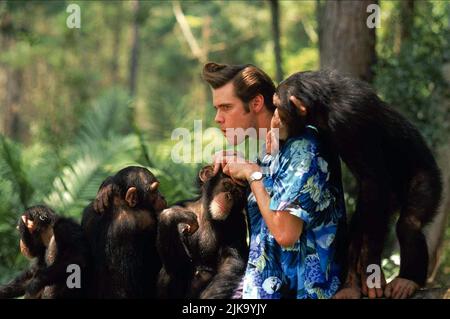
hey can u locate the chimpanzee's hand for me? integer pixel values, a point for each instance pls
(34, 287)
(189, 224)
(103, 198)
(29, 224)
(272, 142)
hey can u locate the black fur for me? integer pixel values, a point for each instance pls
(125, 261)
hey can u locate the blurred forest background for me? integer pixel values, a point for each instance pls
(76, 105)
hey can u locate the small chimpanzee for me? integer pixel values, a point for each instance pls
(391, 162)
(202, 242)
(55, 243)
(122, 234)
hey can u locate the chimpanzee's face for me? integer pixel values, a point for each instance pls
(277, 123)
(277, 119)
(225, 195)
(291, 120)
(157, 200)
(153, 195)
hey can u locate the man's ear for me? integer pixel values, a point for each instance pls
(257, 103)
(206, 173)
(131, 196)
(299, 105)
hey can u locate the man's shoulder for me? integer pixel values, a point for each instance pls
(304, 144)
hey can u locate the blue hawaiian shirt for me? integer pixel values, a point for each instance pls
(297, 180)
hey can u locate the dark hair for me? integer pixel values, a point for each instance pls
(247, 79)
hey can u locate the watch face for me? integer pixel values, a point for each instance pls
(256, 175)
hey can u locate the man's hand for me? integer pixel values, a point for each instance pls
(234, 165)
(240, 172)
(221, 158)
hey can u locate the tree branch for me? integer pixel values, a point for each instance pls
(187, 33)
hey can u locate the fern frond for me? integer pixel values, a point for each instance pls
(11, 168)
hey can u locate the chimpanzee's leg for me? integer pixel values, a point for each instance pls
(367, 233)
(16, 287)
(421, 205)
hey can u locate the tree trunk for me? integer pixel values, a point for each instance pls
(432, 293)
(406, 19)
(12, 96)
(346, 43)
(134, 49)
(404, 25)
(13, 83)
(435, 232)
(117, 30)
(13, 91)
(274, 6)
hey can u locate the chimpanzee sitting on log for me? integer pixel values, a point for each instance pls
(202, 242)
(122, 234)
(58, 247)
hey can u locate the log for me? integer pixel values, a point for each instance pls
(432, 293)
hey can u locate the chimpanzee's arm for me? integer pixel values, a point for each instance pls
(104, 195)
(229, 274)
(175, 227)
(16, 287)
(68, 239)
(53, 274)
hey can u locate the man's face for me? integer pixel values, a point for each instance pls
(231, 114)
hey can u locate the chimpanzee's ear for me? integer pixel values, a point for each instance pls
(154, 186)
(131, 196)
(298, 105)
(206, 173)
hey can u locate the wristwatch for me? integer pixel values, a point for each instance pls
(255, 176)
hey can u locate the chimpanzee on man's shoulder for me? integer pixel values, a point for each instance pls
(394, 168)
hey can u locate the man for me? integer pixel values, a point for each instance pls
(281, 207)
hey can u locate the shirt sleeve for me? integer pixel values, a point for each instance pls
(299, 183)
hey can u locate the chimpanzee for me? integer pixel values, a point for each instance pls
(391, 162)
(122, 234)
(202, 242)
(54, 243)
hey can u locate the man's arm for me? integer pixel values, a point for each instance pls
(285, 227)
